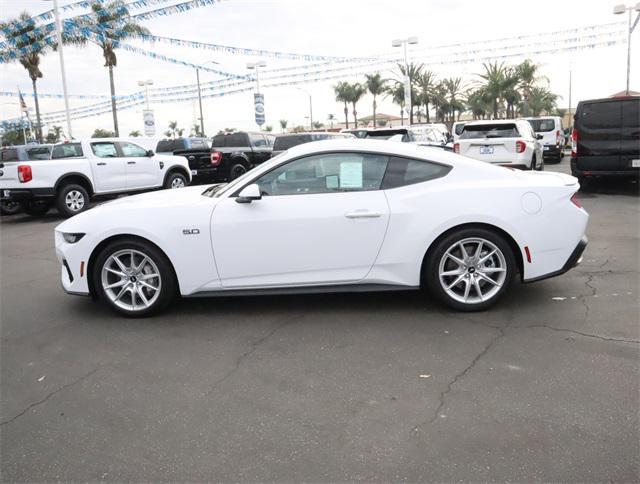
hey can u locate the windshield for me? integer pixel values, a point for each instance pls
(229, 187)
(498, 130)
(542, 125)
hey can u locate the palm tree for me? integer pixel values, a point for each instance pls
(527, 73)
(30, 61)
(54, 134)
(494, 82)
(342, 92)
(453, 88)
(135, 134)
(510, 93)
(116, 13)
(376, 86)
(283, 124)
(396, 92)
(331, 118)
(356, 91)
(542, 101)
(477, 104)
(268, 128)
(174, 131)
(426, 84)
(440, 101)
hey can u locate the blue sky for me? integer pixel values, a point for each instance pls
(331, 27)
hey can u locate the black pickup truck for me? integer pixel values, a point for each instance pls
(203, 165)
(238, 152)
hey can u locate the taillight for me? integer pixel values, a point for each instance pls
(574, 142)
(456, 147)
(520, 146)
(576, 201)
(24, 173)
(558, 138)
(216, 156)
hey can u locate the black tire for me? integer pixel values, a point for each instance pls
(176, 180)
(533, 164)
(71, 200)
(237, 170)
(166, 282)
(9, 207)
(436, 257)
(540, 166)
(36, 208)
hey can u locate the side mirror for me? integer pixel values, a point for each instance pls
(249, 194)
(539, 136)
(150, 153)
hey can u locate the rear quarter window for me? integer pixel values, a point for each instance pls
(237, 140)
(407, 171)
(9, 155)
(40, 153)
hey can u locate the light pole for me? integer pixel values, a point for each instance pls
(310, 107)
(200, 94)
(146, 84)
(618, 10)
(64, 77)
(407, 79)
(257, 66)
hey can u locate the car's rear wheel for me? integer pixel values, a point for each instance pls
(237, 170)
(36, 208)
(72, 199)
(471, 269)
(134, 278)
(9, 207)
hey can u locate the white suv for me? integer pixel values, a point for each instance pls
(550, 127)
(508, 142)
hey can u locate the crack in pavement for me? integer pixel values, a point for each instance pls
(40, 402)
(583, 299)
(485, 350)
(587, 335)
(249, 352)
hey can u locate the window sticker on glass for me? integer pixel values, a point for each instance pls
(332, 182)
(351, 174)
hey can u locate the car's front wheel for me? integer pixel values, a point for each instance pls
(134, 278)
(470, 269)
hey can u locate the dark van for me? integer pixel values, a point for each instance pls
(606, 138)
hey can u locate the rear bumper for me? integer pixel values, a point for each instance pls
(551, 151)
(626, 172)
(574, 259)
(517, 166)
(26, 194)
(204, 175)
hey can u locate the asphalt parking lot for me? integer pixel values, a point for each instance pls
(376, 387)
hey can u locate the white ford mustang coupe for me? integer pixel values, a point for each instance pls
(328, 216)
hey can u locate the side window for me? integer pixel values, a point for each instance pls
(164, 146)
(258, 141)
(237, 140)
(67, 150)
(106, 149)
(129, 149)
(405, 171)
(603, 115)
(218, 141)
(9, 155)
(326, 173)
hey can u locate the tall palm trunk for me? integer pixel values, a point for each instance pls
(374, 112)
(401, 115)
(355, 116)
(426, 110)
(35, 100)
(113, 102)
(346, 116)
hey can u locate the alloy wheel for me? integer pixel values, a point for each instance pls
(131, 280)
(74, 200)
(177, 182)
(472, 270)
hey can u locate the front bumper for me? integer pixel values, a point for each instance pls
(73, 266)
(574, 260)
(26, 194)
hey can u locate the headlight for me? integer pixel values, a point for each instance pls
(72, 238)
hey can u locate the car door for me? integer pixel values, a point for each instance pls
(321, 220)
(142, 171)
(108, 167)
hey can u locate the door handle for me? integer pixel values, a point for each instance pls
(102, 163)
(131, 162)
(362, 214)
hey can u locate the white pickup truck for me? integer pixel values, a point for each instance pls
(79, 171)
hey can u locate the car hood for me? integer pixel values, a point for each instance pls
(147, 204)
